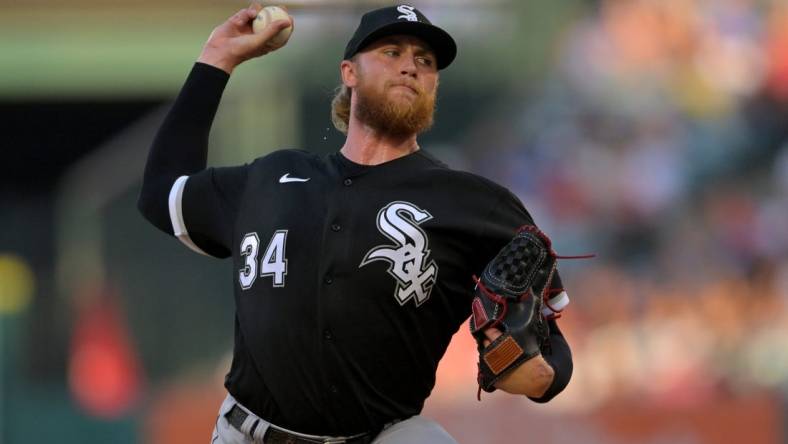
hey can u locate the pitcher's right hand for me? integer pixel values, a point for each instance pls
(234, 42)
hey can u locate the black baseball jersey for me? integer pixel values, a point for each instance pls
(349, 280)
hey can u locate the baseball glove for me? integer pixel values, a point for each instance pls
(509, 296)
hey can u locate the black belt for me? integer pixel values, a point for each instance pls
(274, 435)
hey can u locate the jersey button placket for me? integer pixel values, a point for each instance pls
(328, 280)
(336, 227)
(347, 182)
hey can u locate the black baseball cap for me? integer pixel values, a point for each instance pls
(402, 19)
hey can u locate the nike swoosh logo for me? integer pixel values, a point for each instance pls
(286, 178)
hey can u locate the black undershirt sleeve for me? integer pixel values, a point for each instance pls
(180, 147)
(559, 356)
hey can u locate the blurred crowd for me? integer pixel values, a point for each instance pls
(659, 141)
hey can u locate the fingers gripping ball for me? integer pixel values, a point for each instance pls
(509, 297)
(268, 15)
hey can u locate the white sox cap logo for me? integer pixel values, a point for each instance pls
(407, 13)
(399, 221)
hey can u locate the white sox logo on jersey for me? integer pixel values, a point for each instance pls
(407, 13)
(399, 221)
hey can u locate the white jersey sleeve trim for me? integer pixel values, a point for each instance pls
(176, 215)
(556, 304)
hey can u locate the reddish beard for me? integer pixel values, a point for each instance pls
(398, 116)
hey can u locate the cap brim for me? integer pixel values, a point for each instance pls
(439, 40)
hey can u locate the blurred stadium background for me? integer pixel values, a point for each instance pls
(651, 132)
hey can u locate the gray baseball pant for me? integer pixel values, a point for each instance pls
(414, 430)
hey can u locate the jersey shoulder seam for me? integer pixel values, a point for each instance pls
(294, 152)
(498, 189)
(433, 160)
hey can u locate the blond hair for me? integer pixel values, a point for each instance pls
(340, 108)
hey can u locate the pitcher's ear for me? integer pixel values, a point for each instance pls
(348, 69)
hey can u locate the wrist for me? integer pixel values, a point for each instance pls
(217, 60)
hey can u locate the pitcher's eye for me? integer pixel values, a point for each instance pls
(426, 61)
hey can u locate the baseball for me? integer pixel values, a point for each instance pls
(271, 14)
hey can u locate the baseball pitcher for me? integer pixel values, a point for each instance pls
(352, 271)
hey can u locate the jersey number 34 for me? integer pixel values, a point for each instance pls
(273, 263)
